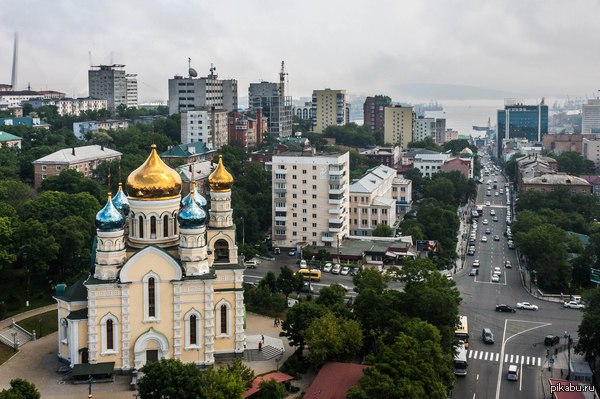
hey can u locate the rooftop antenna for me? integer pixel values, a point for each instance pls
(13, 80)
(212, 70)
(191, 71)
(90, 56)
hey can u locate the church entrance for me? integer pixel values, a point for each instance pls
(152, 355)
(221, 251)
(84, 355)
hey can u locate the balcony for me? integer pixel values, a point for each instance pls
(326, 238)
(280, 209)
(335, 201)
(336, 172)
(340, 190)
(336, 220)
(334, 229)
(334, 211)
(281, 218)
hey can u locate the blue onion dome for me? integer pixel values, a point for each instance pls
(200, 200)
(192, 216)
(120, 201)
(109, 218)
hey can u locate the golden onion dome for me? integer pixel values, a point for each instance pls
(220, 179)
(154, 180)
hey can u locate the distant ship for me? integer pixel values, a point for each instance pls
(484, 128)
(432, 106)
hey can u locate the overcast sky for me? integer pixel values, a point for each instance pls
(534, 48)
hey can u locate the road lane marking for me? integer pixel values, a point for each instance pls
(497, 357)
(480, 355)
(539, 362)
(511, 358)
(472, 353)
(486, 355)
(521, 375)
(528, 360)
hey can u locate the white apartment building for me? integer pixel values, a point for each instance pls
(430, 164)
(423, 128)
(197, 126)
(132, 90)
(330, 109)
(590, 117)
(188, 93)
(374, 199)
(310, 198)
(108, 82)
(15, 98)
(76, 106)
(591, 151)
(398, 125)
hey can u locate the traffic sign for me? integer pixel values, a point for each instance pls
(595, 276)
(551, 360)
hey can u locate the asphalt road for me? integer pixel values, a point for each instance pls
(519, 337)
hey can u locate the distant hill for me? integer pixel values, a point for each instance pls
(427, 91)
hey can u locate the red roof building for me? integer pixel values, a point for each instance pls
(335, 380)
(278, 376)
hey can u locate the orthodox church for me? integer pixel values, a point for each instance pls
(165, 279)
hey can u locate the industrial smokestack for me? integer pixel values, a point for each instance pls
(13, 80)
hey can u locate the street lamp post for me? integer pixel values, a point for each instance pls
(243, 231)
(14, 335)
(569, 357)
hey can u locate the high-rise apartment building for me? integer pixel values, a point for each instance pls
(310, 198)
(373, 108)
(246, 128)
(517, 120)
(208, 126)
(276, 106)
(132, 90)
(590, 117)
(440, 130)
(330, 109)
(110, 83)
(187, 93)
(424, 128)
(398, 125)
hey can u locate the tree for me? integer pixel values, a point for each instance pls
(418, 182)
(456, 146)
(73, 182)
(414, 367)
(269, 281)
(573, 163)
(440, 189)
(439, 223)
(589, 339)
(271, 389)
(288, 282)
(322, 348)
(383, 230)
(237, 367)
(331, 296)
(20, 389)
(298, 319)
(410, 226)
(427, 143)
(7, 250)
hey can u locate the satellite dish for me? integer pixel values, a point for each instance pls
(192, 72)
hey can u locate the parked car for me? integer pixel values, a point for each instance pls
(505, 308)
(250, 264)
(307, 287)
(526, 306)
(292, 252)
(303, 264)
(495, 278)
(497, 271)
(551, 340)
(476, 263)
(327, 268)
(355, 271)
(573, 305)
(336, 269)
(496, 238)
(474, 272)
(484, 239)
(345, 271)
(511, 245)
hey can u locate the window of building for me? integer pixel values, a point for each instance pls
(165, 226)
(294, 233)
(151, 297)
(314, 225)
(152, 227)
(193, 330)
(141, 227)
(314, 187)
(314, 196)
(314, 215)
(64, 331)
(109, 333)
(314, 206)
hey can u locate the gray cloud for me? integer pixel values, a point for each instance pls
(542, 48)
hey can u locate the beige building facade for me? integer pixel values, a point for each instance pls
(166, 279)
(398, 125)
(310, 198)
(591, 151)
(329, 109)
(208, 126)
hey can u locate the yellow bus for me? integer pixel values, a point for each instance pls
(312, 274)
(462, 332)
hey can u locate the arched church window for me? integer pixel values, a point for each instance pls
(152, 227)
(151, 297)
(175, 224)
(193, 330)
(223, 319)
(141, 226)
(221, 251)
(166, 226)
(110, 344)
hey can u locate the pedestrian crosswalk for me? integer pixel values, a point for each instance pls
(514, 359)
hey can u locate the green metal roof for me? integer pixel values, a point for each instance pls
(75, 293)
(81, 314)
(181, 150)
(98, 369)
(8, 137)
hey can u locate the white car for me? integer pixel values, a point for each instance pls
(487, 203)
(345, 271)
(492, 212)
(497, 271)
(336, 269)
(476, 263)
(526, 306)
(495, 278)
(485, 221)
(573, 305)
(327, 268)
(484, 239)
(303, 264)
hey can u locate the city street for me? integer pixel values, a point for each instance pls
(519, 336)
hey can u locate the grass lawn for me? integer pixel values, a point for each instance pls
(5, 353)
(43, 324)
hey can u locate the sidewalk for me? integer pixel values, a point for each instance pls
(560, 368)
(25, 315)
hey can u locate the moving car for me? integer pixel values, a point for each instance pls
(303, 264)
(497, 271)
(476, 263)
(513, 373)
(492, 212)
(307, 287)
(573, 305)
(345, 271)
(496, 238)
(487, 203)
(487, 336)
(292, 252)
(505, 308)
(485, 221)
(551, 340)
(355, 271)
(336, 269)
(474, 272)
(250, 264)
(507, 264)
(327, 268)
(495, 218)
(526, 306)
(484, 239)
(488, 231)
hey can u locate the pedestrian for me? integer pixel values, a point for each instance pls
(259, 346)
(275, 322)
(262, 339)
